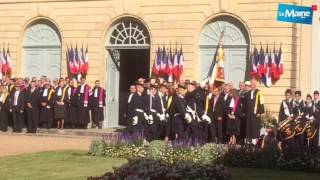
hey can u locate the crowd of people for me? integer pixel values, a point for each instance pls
(220, 114)
(162, 110)
(35, 103)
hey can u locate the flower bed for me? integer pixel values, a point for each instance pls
(143, 168)
(208, 154)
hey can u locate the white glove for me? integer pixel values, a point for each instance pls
(135, 120)
(204, 82)
(145, 116)
(150, 117)
(162, 117)
(205, 117)
(167, 115)
(188, 117)
(150, 121)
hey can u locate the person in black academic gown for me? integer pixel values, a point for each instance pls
(60, 101)
(17, 105)
(83, 99)
(46, 105)
(72, 104)
(254, 108)
(234, 115)
(4, 108)
(33, 97)
(97, 102)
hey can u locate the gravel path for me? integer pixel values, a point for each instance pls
(21, 144)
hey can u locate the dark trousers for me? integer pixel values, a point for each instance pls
(179, 127)
(18, 119)
(32, 119)
(97, 115)
(218, 125)
(212, 132)
(300, 141)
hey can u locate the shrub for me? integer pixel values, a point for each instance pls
(97, 147)
(157, 169)
(155, 149)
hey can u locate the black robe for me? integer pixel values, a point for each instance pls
(96, 107)
(253, 123)
(33, 113)
(83, 108)
(46, 111)
(72, 105)
(4, 113)
(60, 110)
(233, 125)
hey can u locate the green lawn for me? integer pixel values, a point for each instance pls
(78, 165)
(55, 165)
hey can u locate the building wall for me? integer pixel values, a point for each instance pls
(88, 21)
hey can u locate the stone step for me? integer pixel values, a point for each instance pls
(91, 133)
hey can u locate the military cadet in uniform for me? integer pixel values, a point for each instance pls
(181, 117)
(299, 107)
(97, 104)
(138, 120)
(286, 121)
(316, 105)
(192, 100)
(154, 114)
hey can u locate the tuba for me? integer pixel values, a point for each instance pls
(287, 129)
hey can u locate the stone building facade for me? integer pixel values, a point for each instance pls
(126, 33)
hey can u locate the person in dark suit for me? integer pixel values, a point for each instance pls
(33, 97)
(4, 108)
(97, 102)
(17, 105)
(254, 108)
(215, 112)
(226, 103)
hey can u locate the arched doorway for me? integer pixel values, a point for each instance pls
(236, 48)
(128, 46)
(42, 51)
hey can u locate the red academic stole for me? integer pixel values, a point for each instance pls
(101, 97)
(86, 95)
(235, 105)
